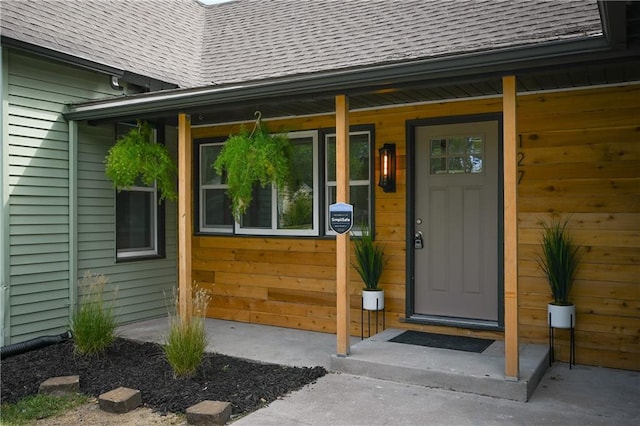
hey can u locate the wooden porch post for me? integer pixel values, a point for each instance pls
(511, 355)
(185, 214)
(342, 240)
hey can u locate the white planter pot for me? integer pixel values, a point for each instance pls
(559, 316)
(373, 300)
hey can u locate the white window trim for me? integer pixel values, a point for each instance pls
(333, 184)
(202, 227)
(152, 251)
(315, 231)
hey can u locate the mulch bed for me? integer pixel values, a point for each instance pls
(245, 384)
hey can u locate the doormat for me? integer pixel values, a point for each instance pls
(456, 343)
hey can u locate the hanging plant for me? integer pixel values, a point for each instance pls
(253, 158)
(136, 158)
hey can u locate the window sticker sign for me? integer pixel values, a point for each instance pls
(341, 217)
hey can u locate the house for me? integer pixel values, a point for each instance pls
(501, 114)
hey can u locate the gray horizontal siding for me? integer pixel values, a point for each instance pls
(38, 185)
(139, 290)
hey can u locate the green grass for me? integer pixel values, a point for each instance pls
(32, 408)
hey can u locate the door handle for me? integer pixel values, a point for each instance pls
(418, 240)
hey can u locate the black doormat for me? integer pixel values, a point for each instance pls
(457, 343)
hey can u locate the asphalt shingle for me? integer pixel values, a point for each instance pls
(187, 43)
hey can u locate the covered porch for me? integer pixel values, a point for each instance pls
(491, 82)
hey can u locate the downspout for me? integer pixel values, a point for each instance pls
(5, 319)
(73, 217)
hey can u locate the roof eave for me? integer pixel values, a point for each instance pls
(503, 61)
(131, 77)
(613, 15)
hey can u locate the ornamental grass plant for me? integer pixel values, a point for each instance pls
(93, 323)
(559, 260)
(369, 259)
(187, 339)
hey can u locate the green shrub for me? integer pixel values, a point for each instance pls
(300, 211)
(93, 323)
(187, 339)
(40, 406)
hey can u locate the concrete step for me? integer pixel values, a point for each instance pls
(478, 373)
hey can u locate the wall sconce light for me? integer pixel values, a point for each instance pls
(388, 167)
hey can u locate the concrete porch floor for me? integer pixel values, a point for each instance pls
(448, 387)
(479, 373)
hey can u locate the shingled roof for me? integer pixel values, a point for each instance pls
(192, 45)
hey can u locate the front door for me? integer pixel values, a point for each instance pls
(456, 217)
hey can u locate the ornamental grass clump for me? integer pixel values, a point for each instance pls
(559, 260)
(187, 339)
(93, 323)
(369, 259)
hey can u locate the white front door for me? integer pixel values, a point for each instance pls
(456, 214)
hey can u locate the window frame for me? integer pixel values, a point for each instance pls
(273, 230)
(157, 250)
(357, 129)
(320, 194)
(199, 199)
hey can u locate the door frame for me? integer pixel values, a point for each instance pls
(410, 315)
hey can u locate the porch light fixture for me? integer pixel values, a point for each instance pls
(388, 167)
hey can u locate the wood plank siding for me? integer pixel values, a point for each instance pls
(580, 156)
(38, 248)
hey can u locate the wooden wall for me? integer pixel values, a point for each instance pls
(581, 161)
(580, 158)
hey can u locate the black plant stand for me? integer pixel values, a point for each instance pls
(362, 309)
(572, 344)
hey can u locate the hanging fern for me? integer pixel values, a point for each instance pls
(253, 158)
(137, 158)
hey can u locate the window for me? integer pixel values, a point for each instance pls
(299, 208)
(458, 154)
(360, 145)
(139, 218)
(291, 211)
(214, 205)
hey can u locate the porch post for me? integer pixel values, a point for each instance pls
(185, 214)
(511, 355)
(342, 240)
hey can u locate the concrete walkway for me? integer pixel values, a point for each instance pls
(582, 396)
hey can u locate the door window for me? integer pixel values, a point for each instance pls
(458, 154)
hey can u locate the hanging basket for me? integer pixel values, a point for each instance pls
(250, 159)
(136, 158)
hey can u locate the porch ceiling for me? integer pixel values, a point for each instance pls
(417, 92)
